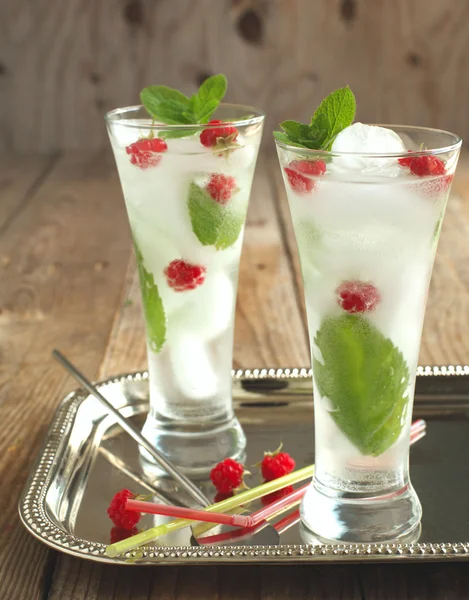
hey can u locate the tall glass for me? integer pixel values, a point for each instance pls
(186, 199)
(367, 228)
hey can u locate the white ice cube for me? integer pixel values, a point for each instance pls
(359, 139)
(244, 156)
(193, 371)
(127, 131)
(209, 309)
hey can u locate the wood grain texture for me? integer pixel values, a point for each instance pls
(19, 179)
(406, 60)
(414, 582)
(59, 287)
(269, 328)
(444, 338)
(81, 580)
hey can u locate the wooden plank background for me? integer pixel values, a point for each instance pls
(63, 64)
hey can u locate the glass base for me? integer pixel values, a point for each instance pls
(195, 448)
(392, 516)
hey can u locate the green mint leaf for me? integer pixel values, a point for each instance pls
(206, 111)
(170, 112)
(300, 134)
(208, 97)
(205, 102)
(213, 224)
(165, 104)
(295, 130)
(162, 92)
(170, 106)
(336, 112)
(283, 137)
(213, 88)
(365, 377)
(155, 317)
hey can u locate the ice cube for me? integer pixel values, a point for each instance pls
(359, 139)
(188, 155)
(127, 131)
(193, 372)
(209, 309)
(244, 156)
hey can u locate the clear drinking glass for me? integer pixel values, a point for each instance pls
(367, 228)
(187, 204)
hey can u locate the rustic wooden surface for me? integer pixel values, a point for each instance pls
(62, 64)
(66, 275)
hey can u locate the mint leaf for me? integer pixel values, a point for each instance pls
(336, 112)
(170, 106)
(160, 93)
(213, 224)
(165, 104)
(365, 377)
(206, 111)
(204, 103)
(301, 134)
(295, 130)
(155, 317)
(283, 137)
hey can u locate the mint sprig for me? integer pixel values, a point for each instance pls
(365, 377)
(214, 224)
(335, 113)
(167, 105)
(155, 317)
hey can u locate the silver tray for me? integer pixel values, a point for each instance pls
(86, 458)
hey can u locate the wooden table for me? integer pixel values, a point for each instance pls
(67, 280)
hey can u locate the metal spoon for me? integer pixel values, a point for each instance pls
(164, 463)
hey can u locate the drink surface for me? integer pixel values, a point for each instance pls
(187, 216)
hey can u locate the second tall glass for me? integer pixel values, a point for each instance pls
(186, 189)
(367, 228)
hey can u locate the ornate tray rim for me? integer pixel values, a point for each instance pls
(34, 517)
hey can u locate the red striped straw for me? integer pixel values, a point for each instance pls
(187, 513)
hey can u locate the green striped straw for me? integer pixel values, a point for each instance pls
(224, 506)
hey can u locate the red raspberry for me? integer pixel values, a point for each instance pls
(405, 162)
(119, 515)
(117, 534)
(209, 137)
(276, 464)
(227, 475)
(183, 276)
(435, 187)
(357, 296)
(269, 498)
(145, 152)
(300, 183)
(220, 187)
(427, 165)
